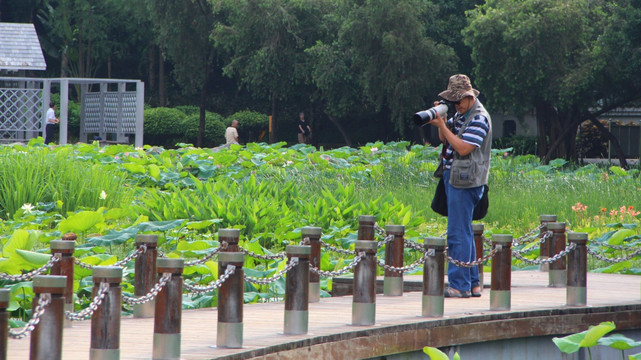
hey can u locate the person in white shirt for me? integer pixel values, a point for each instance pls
(52, 120)
(231, 134)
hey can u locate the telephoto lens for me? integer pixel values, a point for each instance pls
(423, 117)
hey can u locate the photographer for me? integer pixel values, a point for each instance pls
(470, 138)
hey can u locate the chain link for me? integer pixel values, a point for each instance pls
(305, 241)
(28, 276)
(614, 247)
(613, 260)
(88, 311)
(215, 285)
(164, 279)
(207, 257)
(340, 272)
(549, 260)
(529, 237)
(121, 263)
(335, 249)
(264, 257)
(414, 245)
(471, 263)
(269, 280)
(403, 269)
(379, 230)
(43, 302)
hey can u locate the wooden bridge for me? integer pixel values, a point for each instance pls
(536, 310)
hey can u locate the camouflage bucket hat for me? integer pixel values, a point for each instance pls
(458, 88)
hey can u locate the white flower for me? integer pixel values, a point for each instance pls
(28, 208)
(103, 195)
(374, 149)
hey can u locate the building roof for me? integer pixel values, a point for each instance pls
(20, 48)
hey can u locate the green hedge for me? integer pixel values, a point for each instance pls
(164, 126)
(251, 125)
(214, 129)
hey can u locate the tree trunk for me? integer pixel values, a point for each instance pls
(272, 129)
(615, 142)
(161, 80)
(152, 70)
(201, 124)
(340, 129)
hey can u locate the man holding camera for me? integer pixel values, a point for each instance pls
(467, 137)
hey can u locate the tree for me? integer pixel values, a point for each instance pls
(555, 56)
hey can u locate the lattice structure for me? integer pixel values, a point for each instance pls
(20, 111)
(116, 104)
(91, 108)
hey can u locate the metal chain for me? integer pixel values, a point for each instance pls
(28, 276)
(403, 269)
(471, 263)
(269, 280)
(340, 272)
(379, 229)
(613, 260)
(43, 302)
(530, 236)
(120, 263)
(304, 241)
(335, 249)
(263, 257)
(414, 245)
(222, 246)
(614, 247)
(386, 240)
(164, 279)
(549, 260)
(88, 311)
(215, 285)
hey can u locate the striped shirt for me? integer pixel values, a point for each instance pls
(474, 134)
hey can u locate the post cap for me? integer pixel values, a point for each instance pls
(298, 249)
(62, 244)
(478, 227)
(395, 229)
(50, 281)
(146, 238)
(502, 238)
(435, 241)
(170, 263)
(365, 245)
(236, 257)
(311, 230)
(5, 295)
(556, 226)
(367, 218)
(576, 236)
(69, 236)
(548, 218)
(107, 272)
(233, 233)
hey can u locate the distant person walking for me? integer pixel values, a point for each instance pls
(52, 121)
(231, 134)
(304, 131)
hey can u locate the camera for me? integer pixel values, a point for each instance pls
(423, 117)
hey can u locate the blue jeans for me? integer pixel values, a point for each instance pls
(460, 237)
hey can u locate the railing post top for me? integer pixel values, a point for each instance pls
(547, 218)
(69, 236)
(365, 245)
(502, 238)
(556, 226)
(107, 272)
(367, 219)
(231, 257)
(478, 228)
(431, 242)
(5, 297)
(229, 233)
(395, 229)
(311, 230)
(147, 238)
(577, 237)
(169, 263)
(50, 281)
(62, 245)
(298, 249)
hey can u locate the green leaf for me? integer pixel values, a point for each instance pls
(81, 222)
(20, 239)
(35, 258)
(114, 237)
(596, 332)
(619, 236)
(619, 342)
(435, 354)
(635, 357)
(160, 225)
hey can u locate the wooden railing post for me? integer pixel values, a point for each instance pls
(364, 300)
(297, 291)
(64, 267)
(46, 337)
(314, 235)
(366, 227)
(145, 274)
(577, 270)
(544, 248)
(434, 277)
(230, 301)
(478, 230)
(5, 297)
(105, 321)
(500, 290)
(231, 237)
(558, 269)
(168, 317)
(393, 280)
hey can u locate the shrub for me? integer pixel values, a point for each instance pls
(522, 145)
(188, 109)
(590, 142)
(252, 126)
(163, 126)
(214, 129)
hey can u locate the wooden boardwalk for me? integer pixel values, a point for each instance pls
(398, 323)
